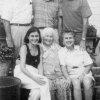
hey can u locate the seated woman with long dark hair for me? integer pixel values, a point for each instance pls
(30, 69)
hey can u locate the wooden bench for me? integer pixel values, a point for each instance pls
(96, 88)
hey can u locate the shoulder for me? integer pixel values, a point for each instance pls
(23, 49)
(62, 51)
(56, 46)
(77, 47)
(62, 55)
(82, 52)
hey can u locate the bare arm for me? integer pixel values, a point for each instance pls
(86, 71)
(65, 72)
(9, 39)
(60, 20)
(33, 12)
(23, 53)
(85, 25)
(88, 68)
(40, 66)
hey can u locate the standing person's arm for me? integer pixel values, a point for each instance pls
(60, 23)
(60, 20)
(7, 16)
(33, 12)
(83, 40)
(9, 39)
(40, 66)
(86, 13)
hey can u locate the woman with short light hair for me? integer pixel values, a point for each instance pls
(51, 65)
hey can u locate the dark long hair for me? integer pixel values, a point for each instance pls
(32, 29)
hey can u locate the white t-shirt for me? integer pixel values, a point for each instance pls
(17, 11)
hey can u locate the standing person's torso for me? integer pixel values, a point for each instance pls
(73, 12)
(45, 13)
(18, 11)
(33, 60)
(72, 15)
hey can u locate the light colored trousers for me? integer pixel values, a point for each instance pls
(28, 83)
(18, 34)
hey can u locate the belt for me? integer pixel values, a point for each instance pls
(41, 27)
(45, 27)
(17, 24)
(75, 67)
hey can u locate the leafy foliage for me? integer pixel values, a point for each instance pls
(6, 53)
(91, 31)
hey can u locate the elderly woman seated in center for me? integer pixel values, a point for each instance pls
(51, 65)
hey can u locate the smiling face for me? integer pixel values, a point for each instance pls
(33, 38)
(68, 40)
(48, 39)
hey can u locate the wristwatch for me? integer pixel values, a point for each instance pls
(83, 39)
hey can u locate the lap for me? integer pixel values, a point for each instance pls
(58, 83)
(25, 80)
(86, 81)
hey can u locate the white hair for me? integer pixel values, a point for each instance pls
(48, 30)
(51, 31)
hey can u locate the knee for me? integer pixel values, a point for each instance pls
(88, 83)
(76, 84)
(46, 79)
(35, 93)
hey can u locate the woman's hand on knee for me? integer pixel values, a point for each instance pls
(68, 82)
(40, 80)
(81, 77)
